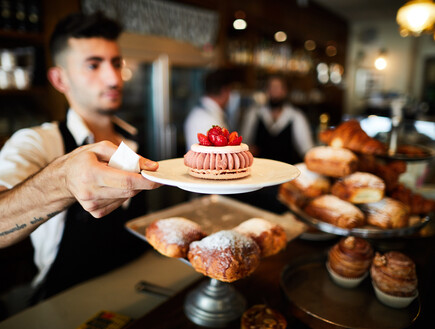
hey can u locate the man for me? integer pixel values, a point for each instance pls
(211, 108)
(277, 130)
(54, 197)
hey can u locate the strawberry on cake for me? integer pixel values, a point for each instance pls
(219, 155)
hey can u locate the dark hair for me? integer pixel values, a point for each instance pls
(79, 25)
(218, 79)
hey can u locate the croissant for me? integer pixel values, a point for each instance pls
(350, 135)
(417, 203)
(389, 171)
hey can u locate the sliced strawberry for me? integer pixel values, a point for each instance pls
(225, 132)
(232, 136)
(220, 140)
(203, 140)
(214, 130)
(236, 141)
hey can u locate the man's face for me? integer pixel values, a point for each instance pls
(93, 75)
(276, 90)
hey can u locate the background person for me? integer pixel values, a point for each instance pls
(211, 108)
(277, 130)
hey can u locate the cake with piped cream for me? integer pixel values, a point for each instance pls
(219, 156)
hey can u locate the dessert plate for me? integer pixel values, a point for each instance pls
(264, 172)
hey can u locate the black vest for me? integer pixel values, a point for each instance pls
(279, 147)
(91, 246)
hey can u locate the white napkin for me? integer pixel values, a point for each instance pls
(125, 158)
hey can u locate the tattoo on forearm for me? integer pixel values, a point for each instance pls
(34, 221)
(38, 219)
(13, 229)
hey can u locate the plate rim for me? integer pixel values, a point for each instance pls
(220, 186)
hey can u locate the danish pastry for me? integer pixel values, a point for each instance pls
(261, 317)
(330, 161)
(271, 238)
(172, 236)
(225, 255)
(359, 187)
(335, 211)
(387, 213)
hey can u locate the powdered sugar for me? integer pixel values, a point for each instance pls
(254, 226)
(226, 239)
(176, 229)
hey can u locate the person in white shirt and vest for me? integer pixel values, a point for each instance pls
(55, 184)
(278, 131)
(211, 108)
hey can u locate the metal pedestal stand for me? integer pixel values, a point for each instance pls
(214, 304)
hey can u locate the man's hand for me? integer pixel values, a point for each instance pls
(99, 188)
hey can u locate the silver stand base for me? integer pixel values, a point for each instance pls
(214, 304)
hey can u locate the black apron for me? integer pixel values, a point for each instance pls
(279, 147)
(89, 246)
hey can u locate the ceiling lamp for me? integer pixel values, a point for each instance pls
(416, 17)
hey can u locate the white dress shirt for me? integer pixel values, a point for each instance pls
(25, 153)
(201, 118)
(303, 139)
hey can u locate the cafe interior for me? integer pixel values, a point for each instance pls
(368, 62)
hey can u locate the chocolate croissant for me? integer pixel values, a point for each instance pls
(394, 273)
(350, 135)
(351, 257)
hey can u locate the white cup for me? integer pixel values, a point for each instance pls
(22, 78)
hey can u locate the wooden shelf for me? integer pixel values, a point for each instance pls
(16, 36)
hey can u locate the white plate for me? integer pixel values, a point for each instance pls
(264, 173)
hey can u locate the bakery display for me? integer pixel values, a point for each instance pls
(225, 255)
(394, 278)
(333, 210)
(310, 183)
(172, 236)
(270, 237)
(261, 316)
(359, 187)
(331, 161)
(219, 155)
(349, 261)
(350, 135)
(387, 213)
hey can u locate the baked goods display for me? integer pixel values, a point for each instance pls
(261, 317)
(386, 213)
(172, 236)
(394, 278)
(350, 135)
(219, 155)
(359, 187)
(349, 261)
(225, 255)
(357, 176)
(331, 161)
(271, 238)
(333, 210)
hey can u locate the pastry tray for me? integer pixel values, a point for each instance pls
(317, 300)
(215, 213)
(364, 232)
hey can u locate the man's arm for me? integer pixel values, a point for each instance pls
(81, 175)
